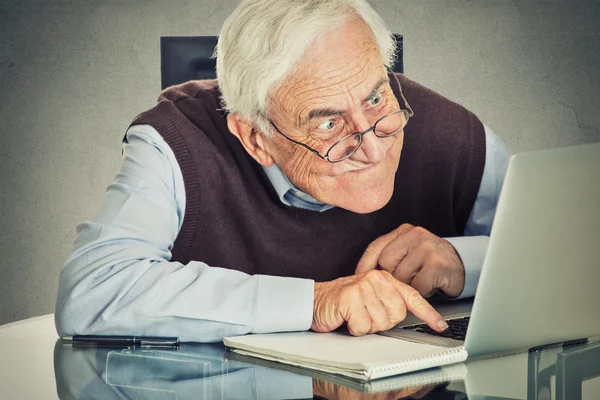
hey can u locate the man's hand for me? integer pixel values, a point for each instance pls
(417, 257)
(369, 302)
(332, 391)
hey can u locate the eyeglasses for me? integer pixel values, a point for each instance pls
(386, 126)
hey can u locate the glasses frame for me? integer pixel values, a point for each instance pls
(408, 113)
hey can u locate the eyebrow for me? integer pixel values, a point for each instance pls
(329, 112)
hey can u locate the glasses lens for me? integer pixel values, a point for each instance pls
(391, 124)
(344, 149)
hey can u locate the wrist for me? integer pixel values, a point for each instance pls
(456, 279)
(316, 300)
(322, 312)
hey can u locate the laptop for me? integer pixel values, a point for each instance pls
(540, 277)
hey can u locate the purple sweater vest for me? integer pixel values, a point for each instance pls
(234, 219)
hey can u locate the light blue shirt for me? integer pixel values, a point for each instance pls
(120, 280)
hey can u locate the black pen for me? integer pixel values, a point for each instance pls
(128, 341)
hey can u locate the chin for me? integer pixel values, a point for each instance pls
(369, 196)
(368, 201)
(371, 205)
(369, 190)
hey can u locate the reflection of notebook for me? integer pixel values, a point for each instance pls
(432, 376)
(542, 261)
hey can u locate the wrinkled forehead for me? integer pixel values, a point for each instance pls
(339, 66)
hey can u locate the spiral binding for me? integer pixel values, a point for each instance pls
(415, 364)
(440, 377)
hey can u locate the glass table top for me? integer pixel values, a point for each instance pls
(209, 371)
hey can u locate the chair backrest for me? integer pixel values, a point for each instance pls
(189, 57)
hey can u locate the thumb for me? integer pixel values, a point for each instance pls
(370, 258)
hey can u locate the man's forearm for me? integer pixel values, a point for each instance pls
(194, 302)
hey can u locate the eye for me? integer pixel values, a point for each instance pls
(376, 99)
(327, 125)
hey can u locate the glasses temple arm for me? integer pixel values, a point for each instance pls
(408, 107)
(299, 143)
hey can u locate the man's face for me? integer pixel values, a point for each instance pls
(340, 87)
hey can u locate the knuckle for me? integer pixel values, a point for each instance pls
(396, 319)
(439, 262)
(350, 293)
(392, 324)
(401, 315)
(375, 275)
(358, 329)
(430, 246)
(420, 231)
(372, 273)
(402, 276)
(433, 261)
(415, 299)
(385, 276)
(362, 286)
(387, 266)
(399, 312)
(380, 326)
(354, 292)
(371, 249)
(442, 262)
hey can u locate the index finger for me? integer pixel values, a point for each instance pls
(370, 258)
(417, 304)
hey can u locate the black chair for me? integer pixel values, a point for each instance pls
(189, 57)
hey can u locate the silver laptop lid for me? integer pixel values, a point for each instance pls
(541, 276)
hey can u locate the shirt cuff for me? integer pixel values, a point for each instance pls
(283, 304)
(471, 250)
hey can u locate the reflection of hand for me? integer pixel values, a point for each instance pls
(331, 391)
(369, 302)
(417, 257)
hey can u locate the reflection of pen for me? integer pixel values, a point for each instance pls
(134, 341)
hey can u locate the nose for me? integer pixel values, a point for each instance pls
(372, 149)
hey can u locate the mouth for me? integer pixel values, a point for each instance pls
(357, 171)
(369, 167)
(366, 169)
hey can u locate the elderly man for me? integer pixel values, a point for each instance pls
(307, 187)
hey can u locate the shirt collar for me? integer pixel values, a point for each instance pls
(289, 194)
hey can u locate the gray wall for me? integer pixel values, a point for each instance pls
(74, 73)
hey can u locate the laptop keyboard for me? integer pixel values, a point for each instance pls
(457, 329)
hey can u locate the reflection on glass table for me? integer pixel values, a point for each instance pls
(209, 371)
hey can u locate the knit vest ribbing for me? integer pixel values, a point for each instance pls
(234, 219)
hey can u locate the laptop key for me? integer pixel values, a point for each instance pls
(457, 329)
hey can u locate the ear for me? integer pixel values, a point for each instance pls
(252, 140)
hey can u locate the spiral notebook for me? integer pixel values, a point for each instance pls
(364, 358)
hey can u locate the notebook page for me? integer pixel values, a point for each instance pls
(369, 356)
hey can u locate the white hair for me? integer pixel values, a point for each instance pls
(262, 40)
